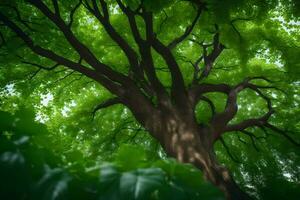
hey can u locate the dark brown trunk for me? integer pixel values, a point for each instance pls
(182, 138)
(185, 141)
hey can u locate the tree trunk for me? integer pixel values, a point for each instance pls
(188, 143)
(176, 128)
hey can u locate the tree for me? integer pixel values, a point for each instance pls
(168, 60)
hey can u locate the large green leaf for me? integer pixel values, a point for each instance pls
(138, 184)
(53, 185)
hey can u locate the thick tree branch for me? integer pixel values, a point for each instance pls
(114, 81)
(145, 49)
(39, 50)
(115, 36)
(132, 22)
(146, 63)
(58, 59)
(147, 59)
(164, 51)
(221, 120)
(231, 108)
(196, 91)
(81, 49)
(261, 121)
(178, 89)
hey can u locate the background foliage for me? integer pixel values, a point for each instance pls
(31, 169)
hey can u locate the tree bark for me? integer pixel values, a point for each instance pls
(183, 139)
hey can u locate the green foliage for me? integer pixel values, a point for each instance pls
(32, 170)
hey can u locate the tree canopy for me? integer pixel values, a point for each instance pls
(149, 99)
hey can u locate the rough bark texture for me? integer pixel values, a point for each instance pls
(182, 138)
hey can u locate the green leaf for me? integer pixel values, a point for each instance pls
(53, 185)
(141, 183)
(137, 184)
